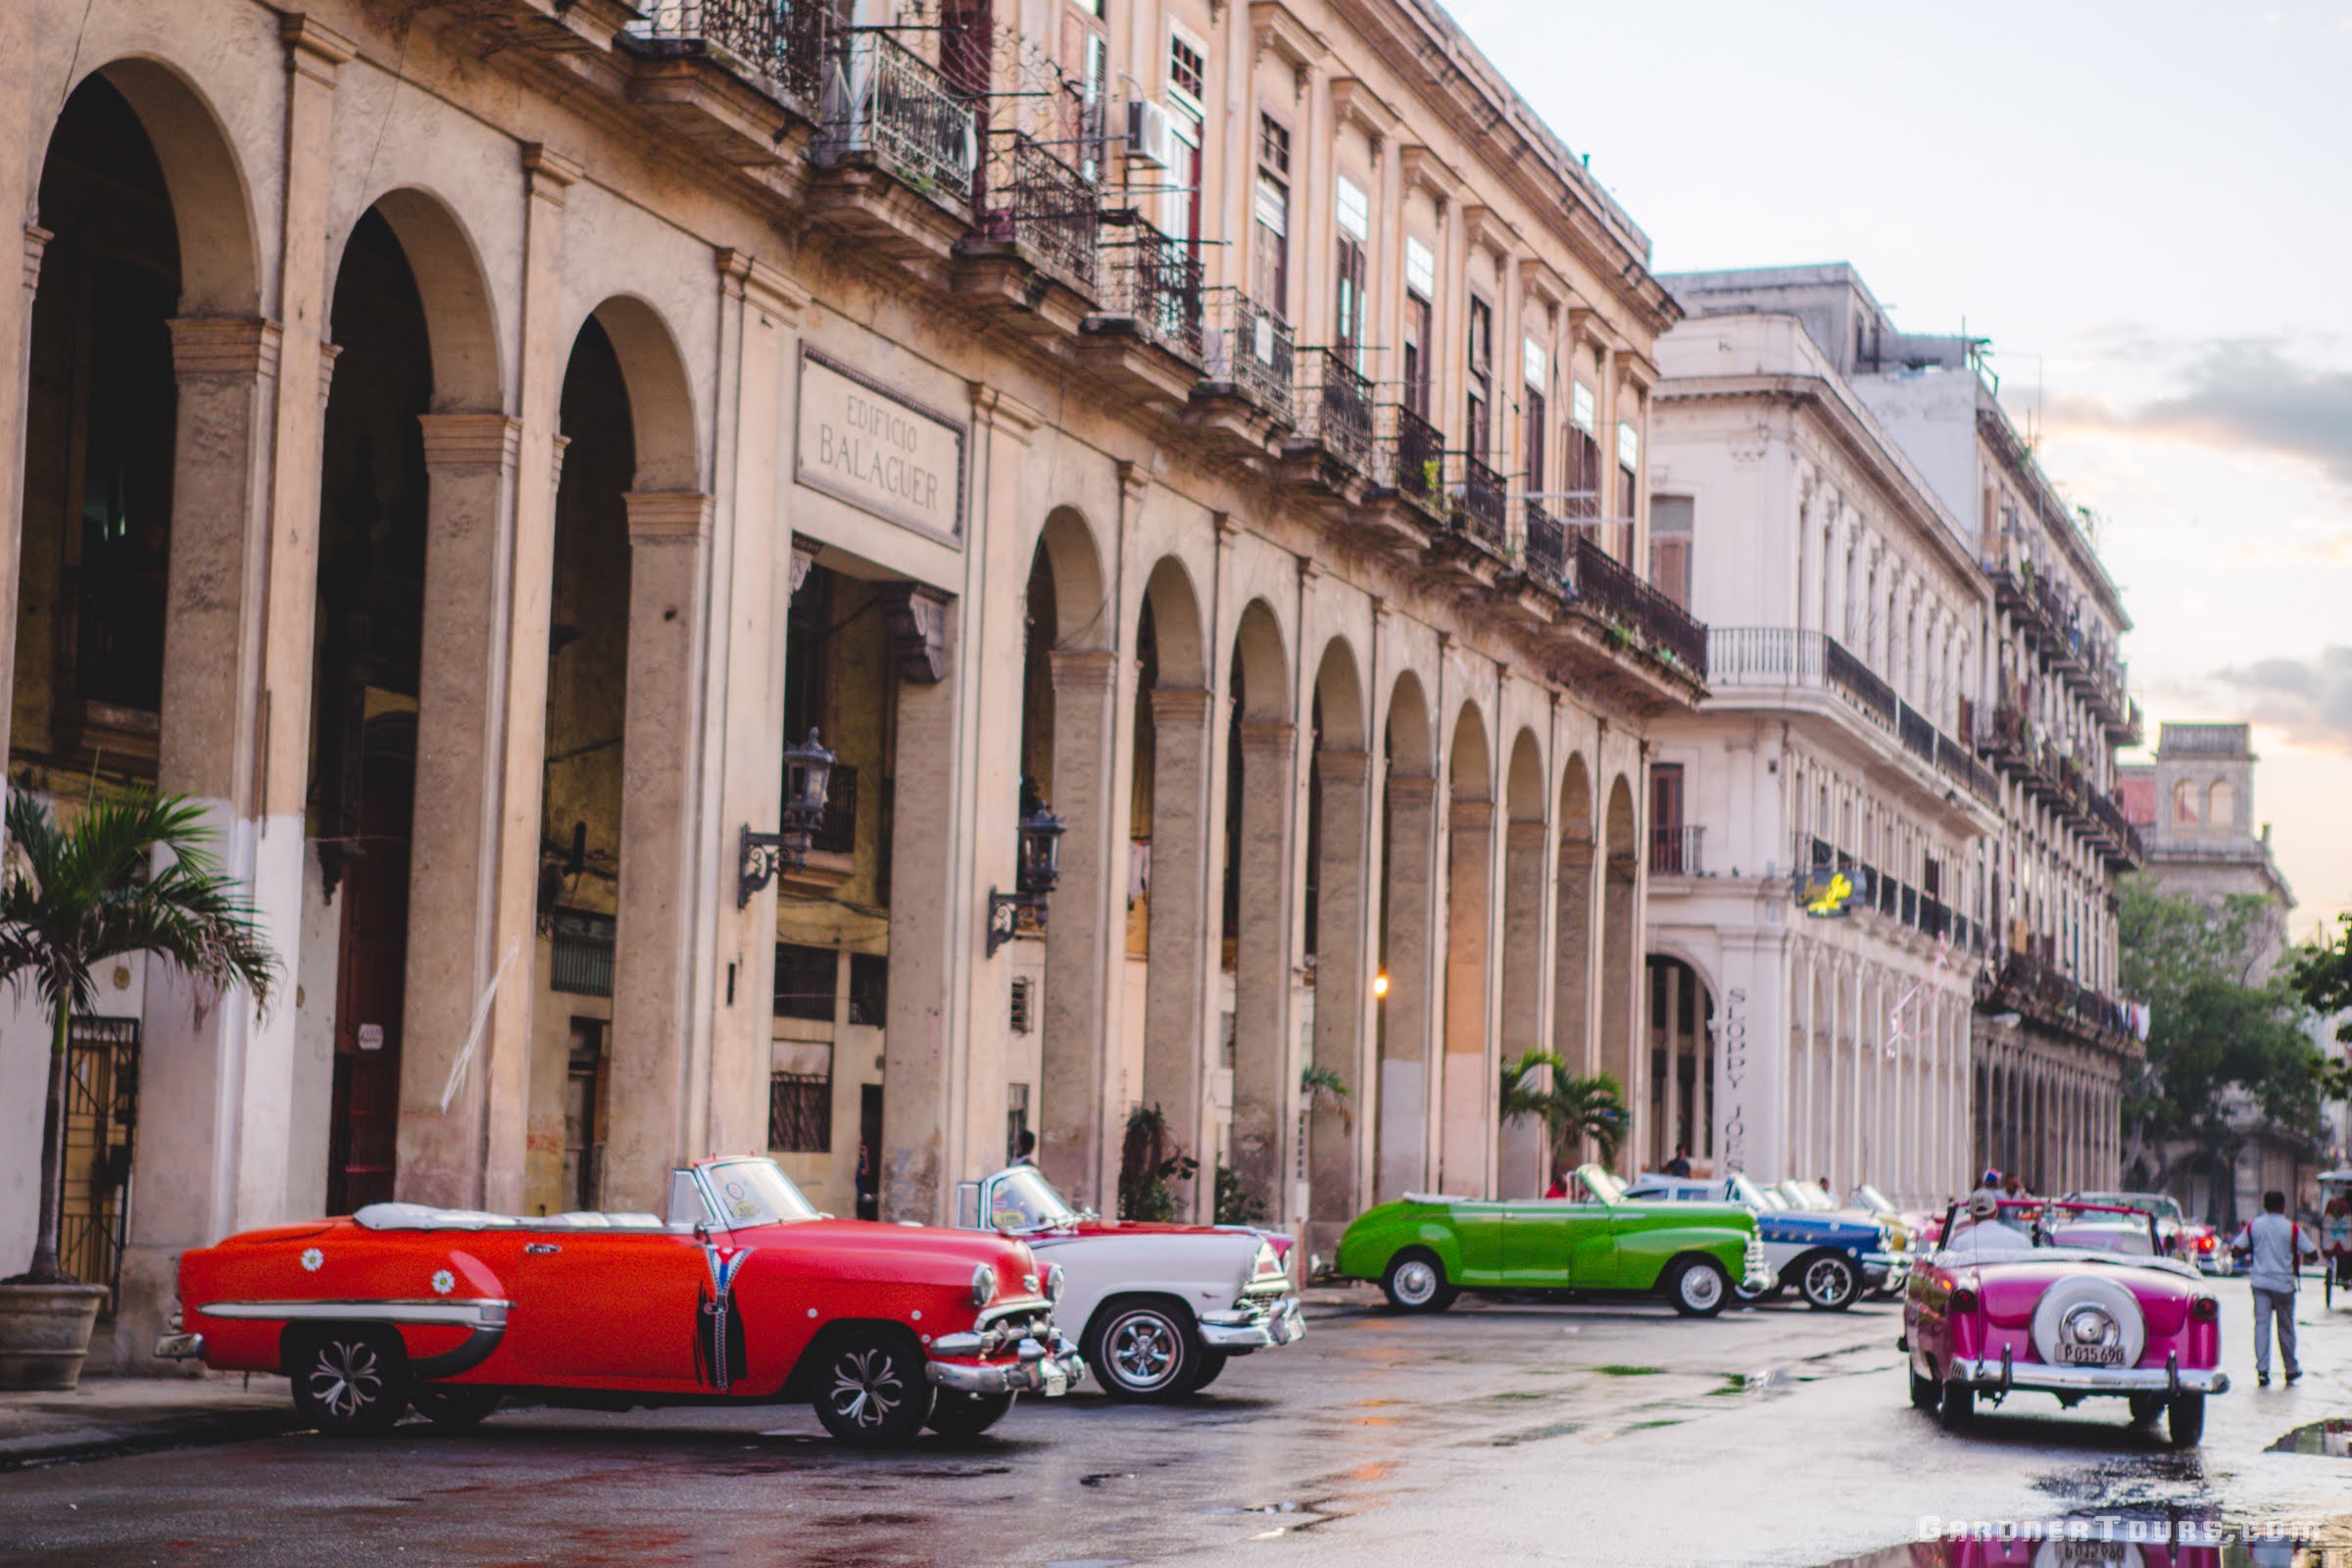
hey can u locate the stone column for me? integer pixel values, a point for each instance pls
(1621, 1033)
(1179, 1005)
(1467, 1086)
(1407, 1020)
(1265, 1078)
(1342, 990)
(1080, 1015)
(1804, 1095)
(1571, 950)
(651, 1088)
(1526, 1145)
(16, 386)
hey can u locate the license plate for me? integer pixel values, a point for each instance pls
(2091, 1355)
(1058, 1381)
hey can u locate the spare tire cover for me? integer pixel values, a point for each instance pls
(2087, 1309)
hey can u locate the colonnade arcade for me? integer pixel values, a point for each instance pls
(2044, 1116)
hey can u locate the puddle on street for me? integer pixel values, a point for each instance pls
(2331, 1437)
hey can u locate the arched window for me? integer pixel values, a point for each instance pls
(2221, 803)
(2184, 803)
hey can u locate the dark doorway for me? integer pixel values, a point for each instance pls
(584, 1112)
(870, 1149)
(102, 1113)
(372, 970)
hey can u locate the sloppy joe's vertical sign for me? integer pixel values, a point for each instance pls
(878, 450)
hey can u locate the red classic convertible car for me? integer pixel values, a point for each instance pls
(744, 1293)
(2071, 1299)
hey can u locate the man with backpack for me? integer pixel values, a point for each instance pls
(2275, 1246)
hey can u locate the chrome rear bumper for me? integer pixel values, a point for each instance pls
(179, 1348)
(2007, 1374)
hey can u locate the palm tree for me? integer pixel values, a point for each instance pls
(1571, 1106)
(74, 898)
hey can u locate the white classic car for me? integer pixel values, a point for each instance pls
(1163, 1307)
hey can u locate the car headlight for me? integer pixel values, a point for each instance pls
(1056, 1280)
(984, 1284)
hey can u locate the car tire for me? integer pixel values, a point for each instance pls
(1212, 1367)
(350, 1379)
(871, 1388)
(2146, 1407)
(453, 1406)
(1698, 1287)
(1770, 1292)
(967, 1415)
(1958, 1407)
(1926, 1392)
(1415, 1282)
(1143, 1348)
(1828, 1281)
(2184, 1420)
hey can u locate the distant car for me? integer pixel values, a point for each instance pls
(744, 1293)
(2173, 1233)
(1158, 1308)
(1826, 1258)
(2068, 1298)
(1425, 1251)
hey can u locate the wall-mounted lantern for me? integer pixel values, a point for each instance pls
(1040, 868)
(808, 774)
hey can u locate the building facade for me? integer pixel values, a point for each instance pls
(464, 446)
(1845, 616)
(2031, 676)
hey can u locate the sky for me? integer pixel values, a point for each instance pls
(2147, 208)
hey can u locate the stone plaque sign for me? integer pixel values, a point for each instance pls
(372, 1037)
(879, 452)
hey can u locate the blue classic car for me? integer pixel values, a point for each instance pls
(1828, 1260)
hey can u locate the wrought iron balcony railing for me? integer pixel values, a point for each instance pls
(1248, 348)
(1332, 406)
(777, 45)
(1618, 594)
(1481, 508)
(1153, 281)
(1034, 199)
(1411, 457)
(1544, 547)
(884, 101)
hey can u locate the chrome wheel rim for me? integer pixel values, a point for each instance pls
(1144, 1351)
(1416, 1283)
(1824, 1280)
(346, 1377)
(1703, 1287)
(866, 1388)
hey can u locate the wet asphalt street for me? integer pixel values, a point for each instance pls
(1496, 1433)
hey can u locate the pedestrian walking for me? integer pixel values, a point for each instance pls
(2275, 1246)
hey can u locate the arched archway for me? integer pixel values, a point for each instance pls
(1679, 1037)
(1261, 743)
(1405, 984)
(1620, 963)
(1520, 1027)
(1473, 1063)
(1338, 908)
(1573, 1032)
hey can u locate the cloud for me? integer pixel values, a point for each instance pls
(2311, 699)
(2240, 394)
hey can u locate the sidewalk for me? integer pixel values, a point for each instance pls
(111, 1415)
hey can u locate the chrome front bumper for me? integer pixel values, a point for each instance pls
(1886, 1271)
(1052, 1373)
(2006, 1373)
(179, 1348)
(1254, 1328)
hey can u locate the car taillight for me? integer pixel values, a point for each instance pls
(2204, 1244)
(1962, 1299)
(2205, 1309)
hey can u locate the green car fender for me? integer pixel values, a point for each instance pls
(1643, 1254)
(1379, 1234)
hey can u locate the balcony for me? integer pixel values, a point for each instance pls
(1606, 590)
(1478, 498)
(1330, 450)
(1152, 300)
(1042, 210)
(1918, 735)
(2008, 739)
(1543, 548)
(1250, 353)
(1859, 684)
(2031, 984)
(1408, 458)
(777, 45)
(1674, 850)
(2120, 841)
(886, 107)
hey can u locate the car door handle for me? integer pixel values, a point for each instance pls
(541, 1247)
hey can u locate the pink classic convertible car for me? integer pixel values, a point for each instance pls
(2074, 1300)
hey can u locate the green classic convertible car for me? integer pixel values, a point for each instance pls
(1426, 1250)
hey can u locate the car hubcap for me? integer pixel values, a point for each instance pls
(1700, 1287)
(346, 1378)
(866, 1388)
(1143, 1350)
(1824, 1280)
(1416, 1283)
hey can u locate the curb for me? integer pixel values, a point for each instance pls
(82, 1444)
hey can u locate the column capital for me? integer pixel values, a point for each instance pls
(917, 616)
(744, 275)
(550, 173)
(1176, 706)
(461, 439)
(1343, 768)
(36, 241)
(312, 50)
(328, 353)
(1082, 669)
(1470, 817)
(657, 515)
(1523, 834)
(559, 444)
(1003, 414)
(223, 345)
(1135, 483)
(1267, 737)
(1411, 789)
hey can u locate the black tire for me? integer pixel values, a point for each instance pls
(1828, 1281)
(1926, 1391)
(453, 1406)
(2146, 1407)
(871, 1391)
(350, 1379)
(1958, 1407)
(1415, 1282)
(1697, 1287)
(967, 1415)
(2184, 1420)
(1143, 1348)
(1212, 1367)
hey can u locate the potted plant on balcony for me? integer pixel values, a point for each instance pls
(71, 899)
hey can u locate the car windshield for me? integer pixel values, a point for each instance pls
(755, 1192)
(1871, 1198)
(2046, 1229)
(1773, 1198)
(1600, 1185)
(2160, 1205)
(1022, 1199)
(1744, 1191)
(1806, 1196)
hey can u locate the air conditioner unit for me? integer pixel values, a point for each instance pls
(1151, 134)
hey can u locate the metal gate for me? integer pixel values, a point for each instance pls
(102, 1113)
